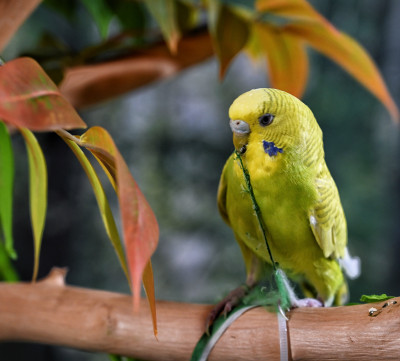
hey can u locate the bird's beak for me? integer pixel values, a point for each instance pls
(241, 131)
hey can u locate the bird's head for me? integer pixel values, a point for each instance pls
(272, 118)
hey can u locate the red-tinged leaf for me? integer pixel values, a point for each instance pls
(140, 227)
(350, 55)
(230, 32)
(29, 99)
(287, 59)
(165, 12)
(13, 14)
(6, 190)
(104, 207)
(37, 192)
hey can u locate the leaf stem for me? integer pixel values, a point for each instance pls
(76, 139)
(256, 207)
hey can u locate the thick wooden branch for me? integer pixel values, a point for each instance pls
(52, 313)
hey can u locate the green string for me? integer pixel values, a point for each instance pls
(280, 277)
(256, 207)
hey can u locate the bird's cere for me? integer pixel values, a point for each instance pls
(239, 126)
(241, 131)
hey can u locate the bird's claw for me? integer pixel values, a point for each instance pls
(307, 302)
(226, 305)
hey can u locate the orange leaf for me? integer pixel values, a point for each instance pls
(29, 98)
(148, 283)
(307, 24)
(140, 227)
(287, 59)
(350, 55)
(295, 9)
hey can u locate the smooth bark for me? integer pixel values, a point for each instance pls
(51, 312)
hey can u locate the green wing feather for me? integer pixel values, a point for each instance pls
(327, 219)
(222, 190)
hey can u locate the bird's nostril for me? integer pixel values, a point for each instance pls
(239, 126)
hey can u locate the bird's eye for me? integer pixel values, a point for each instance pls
(266, 119)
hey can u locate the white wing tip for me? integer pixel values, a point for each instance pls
(350, 265)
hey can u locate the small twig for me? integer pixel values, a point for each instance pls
(64, 134)
(76, 139)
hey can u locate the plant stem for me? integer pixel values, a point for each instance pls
(256, 207)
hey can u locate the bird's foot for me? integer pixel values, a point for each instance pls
(307, 302)
(226, 305)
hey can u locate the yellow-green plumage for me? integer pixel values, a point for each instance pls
(299, 202)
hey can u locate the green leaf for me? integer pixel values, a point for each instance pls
(104, 207)
(375, 298)
(101, 14)
(65, 7)
(187, 15)
(115, 357)
(6, 189)
(131, 15)
(120, 358)
(229, 30)
(37, 192)
(139, 224)
(7, 270)
(165, 12)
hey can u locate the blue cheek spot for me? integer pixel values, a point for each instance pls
(271, 149)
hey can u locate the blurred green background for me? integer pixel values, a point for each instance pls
(175, 137)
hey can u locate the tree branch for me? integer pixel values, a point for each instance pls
(13, 14)
(86, 85)
(52, 313)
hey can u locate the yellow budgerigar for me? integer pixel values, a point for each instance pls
(280, 145)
